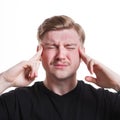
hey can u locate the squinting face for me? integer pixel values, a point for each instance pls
(60, 57)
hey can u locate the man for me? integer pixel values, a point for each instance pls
(60, 96)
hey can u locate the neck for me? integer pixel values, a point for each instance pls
(60, 86)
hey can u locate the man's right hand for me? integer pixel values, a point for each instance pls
(22, 74)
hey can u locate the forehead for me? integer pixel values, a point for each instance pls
(64, 35)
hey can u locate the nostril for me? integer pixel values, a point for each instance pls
(59, 59)
(60, 55)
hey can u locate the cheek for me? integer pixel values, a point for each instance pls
(45, 61)
(75, 55)
(75, 59)
(47, 57)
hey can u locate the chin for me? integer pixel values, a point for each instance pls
(64, 76)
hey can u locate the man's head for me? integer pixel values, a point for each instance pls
(58, 23)
(60, 38)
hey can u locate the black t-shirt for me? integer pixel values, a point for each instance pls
(38, 103)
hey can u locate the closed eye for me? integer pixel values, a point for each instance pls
(70, 46)
(51, 47)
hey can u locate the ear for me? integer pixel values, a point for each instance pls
(82, 48)
(81, 51)
(38, 48)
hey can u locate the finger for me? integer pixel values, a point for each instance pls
(84, 57)
(37, 56)
(87, 60)
(91, 79)
(35, 68)
(90, 66)
(27, 72)
(31, 71)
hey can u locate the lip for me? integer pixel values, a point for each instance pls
(60, 66)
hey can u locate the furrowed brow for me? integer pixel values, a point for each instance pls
(47, 43)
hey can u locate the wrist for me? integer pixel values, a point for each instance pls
(117, 87)
(4, 84)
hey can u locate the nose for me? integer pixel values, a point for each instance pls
(61, 53)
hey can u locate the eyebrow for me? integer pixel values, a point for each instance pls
(71, 44)
(47, 43)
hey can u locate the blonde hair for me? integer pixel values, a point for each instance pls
(58, 23)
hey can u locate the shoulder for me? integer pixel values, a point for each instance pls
(23, 92)
(100, 92)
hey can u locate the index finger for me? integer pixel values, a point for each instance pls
(87, 60)
(37, 56)
(84, 57)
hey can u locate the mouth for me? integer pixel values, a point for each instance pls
(60, 65)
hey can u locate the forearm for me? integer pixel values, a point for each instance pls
(4, 84)
(114, 79)
(117, 87)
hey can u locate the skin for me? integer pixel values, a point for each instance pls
(21, 74)
(105, 77)
(61, 53)
(60, 59)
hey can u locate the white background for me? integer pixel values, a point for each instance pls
(19, 20)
